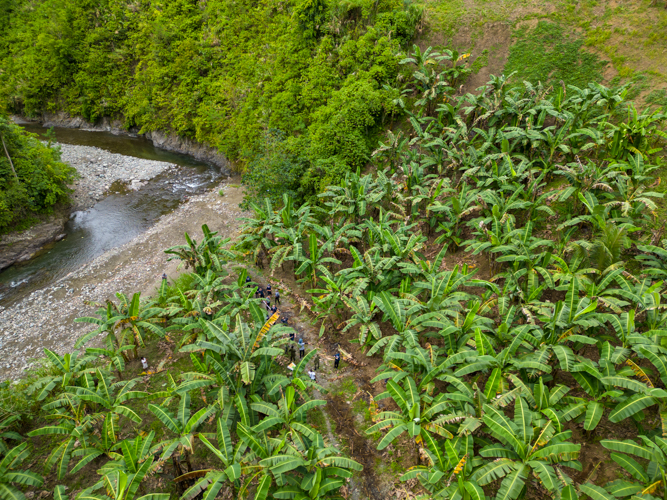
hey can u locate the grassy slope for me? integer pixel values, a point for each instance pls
(631, 36)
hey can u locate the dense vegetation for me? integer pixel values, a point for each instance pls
(500, 372)
(32, 177)
(239, 75)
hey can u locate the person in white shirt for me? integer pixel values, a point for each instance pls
(312, 376)
(144, 363)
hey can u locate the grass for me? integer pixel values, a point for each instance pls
(346, 388)
(630, 35)
(561, 57)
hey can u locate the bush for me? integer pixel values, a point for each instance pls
(32, 177)
(275, 171)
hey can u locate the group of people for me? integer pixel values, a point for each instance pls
(265, 295)
(260, 293)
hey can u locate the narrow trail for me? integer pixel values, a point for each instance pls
(338, 413)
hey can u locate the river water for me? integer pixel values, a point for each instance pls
(113, 221)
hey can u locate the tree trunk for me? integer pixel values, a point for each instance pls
(187, 460)
(11, 163)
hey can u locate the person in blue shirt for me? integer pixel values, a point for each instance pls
(302, 348)
(336, 360)
(277, 300)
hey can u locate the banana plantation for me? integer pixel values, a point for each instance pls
(500, 267)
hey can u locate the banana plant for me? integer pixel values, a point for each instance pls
(118, 485)
(65, 371)
(207, 255)
(184, 427)
(129, 319)
(312, 264)
(329, 301)
(12, 478)
(319, 471)
(448, 475)
(288, 417)
(234, 465)
(75, 425)
(247, 349)
(418, 412)
(524, 450)
(109, 403)
(363, 317)
(114, 351)
(649, 479)
(131, 456)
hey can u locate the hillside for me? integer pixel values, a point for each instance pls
(470, 285)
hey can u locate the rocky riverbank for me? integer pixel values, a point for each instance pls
(46, 317)
(99, 169)
(160, 138)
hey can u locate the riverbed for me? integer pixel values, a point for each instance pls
(152, 183)
(45, 318)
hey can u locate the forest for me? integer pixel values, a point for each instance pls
(32, 178)
(295, 89)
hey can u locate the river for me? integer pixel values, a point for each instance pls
(113, 221)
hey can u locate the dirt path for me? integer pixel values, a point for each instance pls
(46, 317)
(343, 424)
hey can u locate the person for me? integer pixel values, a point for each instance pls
(260, 292)
(268, 290)
(291, 336)
(317, 362)
(336, 360)
(247, 281)
(302, 348)
(164, 276)
(284, 321)
(312, 375)
(274, 309)
(144, 363)
(291, 353)
(277, 300)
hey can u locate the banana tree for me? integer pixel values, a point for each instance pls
(418, 412)
(207, 255)
(114, 352)
(75, 425)
(129, 318)
(118, 486)
(650, 478)
(313, 263)
(448, 475)
(331, 299)
(109, 403)
(317, 472)
(246, 350)
(288, 417)
(522, 450)
(363, 317)
(184, 426)
(256, 234)
(65, 371)
(12, 478)
(234, 464)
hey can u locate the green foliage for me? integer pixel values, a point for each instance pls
(550, 53)
(32, 177)
(221, 72)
